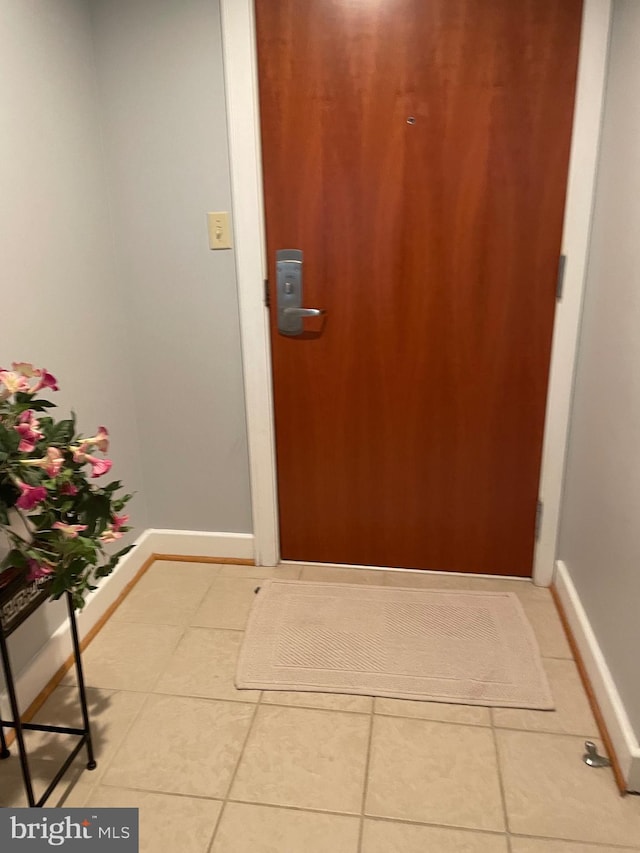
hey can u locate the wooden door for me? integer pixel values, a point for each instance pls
(416, 151)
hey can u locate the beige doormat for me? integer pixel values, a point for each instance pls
(470, 648)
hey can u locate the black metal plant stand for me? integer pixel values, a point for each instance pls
(17, 602)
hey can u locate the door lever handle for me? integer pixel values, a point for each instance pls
(304, 312)
(291, 314)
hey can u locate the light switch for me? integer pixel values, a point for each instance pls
(219, 230)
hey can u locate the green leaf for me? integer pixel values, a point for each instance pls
(41, 405)
(9, 439)
(14, 559)
(63, 432)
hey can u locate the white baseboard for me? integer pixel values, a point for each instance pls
(625, 742)
(196, 543)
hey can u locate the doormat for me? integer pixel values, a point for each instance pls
(469, 648)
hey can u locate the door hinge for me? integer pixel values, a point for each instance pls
(560, 283)
(539, 511)
(267, 301)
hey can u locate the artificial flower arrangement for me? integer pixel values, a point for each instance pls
(56, 520)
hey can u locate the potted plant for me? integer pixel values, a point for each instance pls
(55, 513)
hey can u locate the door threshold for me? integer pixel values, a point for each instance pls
(405, 571)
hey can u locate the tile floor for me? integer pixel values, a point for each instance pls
(217, 770)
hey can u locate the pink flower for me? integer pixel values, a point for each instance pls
(70, 531)
(110, 535)
(68, 489)
(101, 440)
(13, 383)
(31, 495)
(46, 381)
(28, 430)
(119, 521)
(98, 466)
(55, 461)
(25, 368)
(38, 570)
(80, 451)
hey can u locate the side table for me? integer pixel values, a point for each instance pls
(20, 598)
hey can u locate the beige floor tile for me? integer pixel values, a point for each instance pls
(469, 715)
(573, 712)
(111, 714)
(167, 594)
(71, 791)
(128, 656)
(204, 664)
(382, 836)
(327, 701)
(227, 604)
(548, 629)
(544, 845)
(427, 580)
(434, 773)
(166, 823)
(182, 745)
(550, 792)
(305, 758)
(261, 572)
(336, 574)
(525, 589)
(265, 829)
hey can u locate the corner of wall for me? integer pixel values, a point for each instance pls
(624, 739)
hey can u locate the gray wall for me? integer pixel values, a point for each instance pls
(60, 295)
(162, 101)
(600, 531)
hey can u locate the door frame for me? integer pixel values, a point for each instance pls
(243, 125)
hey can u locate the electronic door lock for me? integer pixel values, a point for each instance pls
(291, 314)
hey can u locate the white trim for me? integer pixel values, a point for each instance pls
(241, 87)
(592, 71)
(625, 742)
(46, 662)
(197, 543)
(238, 29)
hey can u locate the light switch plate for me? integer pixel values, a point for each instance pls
(219, 230)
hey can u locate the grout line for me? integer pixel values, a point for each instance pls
(367, 765)
(597, 845)
(312, 707)
(275, 704)
(433, 720)
(167, 659)
(215, 827)
(225, 799)
(109, 761)
(549, 734)
(129, 787)
(235, 770)
(500, 833)
(379, 818)
(500, 781)
(239, 701)
(508, 840)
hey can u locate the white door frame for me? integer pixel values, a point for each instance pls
(241, 86)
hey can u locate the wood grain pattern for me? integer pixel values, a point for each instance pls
(409, 421)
